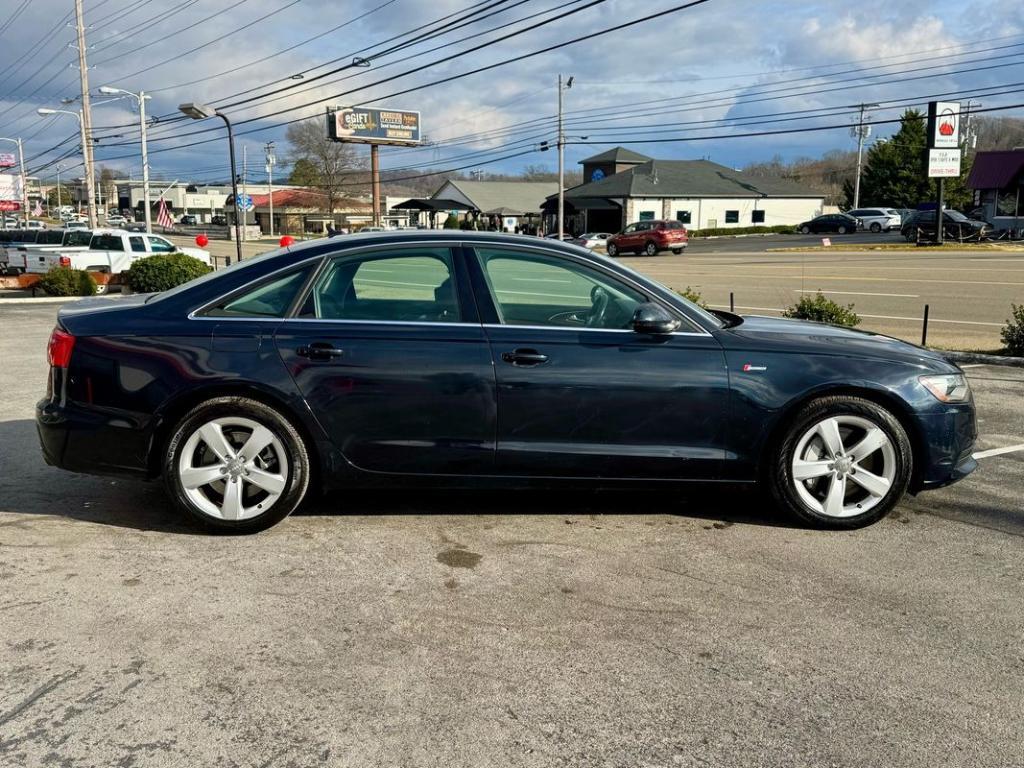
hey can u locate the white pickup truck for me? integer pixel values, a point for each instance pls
(109, 250)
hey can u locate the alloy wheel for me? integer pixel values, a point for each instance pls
(843, 466)
(233, 468)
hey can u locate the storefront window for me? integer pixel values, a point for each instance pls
(732, 217)
(683, 216)
(646, 215)
(757, 217)
(1010, 202)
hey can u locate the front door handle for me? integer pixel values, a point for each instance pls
(320, 350)
(524, 357)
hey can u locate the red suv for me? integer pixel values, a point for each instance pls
(650, 237)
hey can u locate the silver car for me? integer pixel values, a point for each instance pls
(592, 240)
(877, 219)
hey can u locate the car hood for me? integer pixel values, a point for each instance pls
(820, 338)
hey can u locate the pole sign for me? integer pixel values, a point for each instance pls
(363, 125)
(7, 160)
(9, 205)
(245, 203)
(943, 124)
(943, 163)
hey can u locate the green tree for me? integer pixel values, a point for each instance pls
(304, 174)
(338, 166)
(894, 172)
(65, 196)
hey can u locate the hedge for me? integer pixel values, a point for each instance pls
(163, 272)
(822, 309)
(64, 281)
(778, 229)
(1013, 332)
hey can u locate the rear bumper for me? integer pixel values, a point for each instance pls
(92, 441)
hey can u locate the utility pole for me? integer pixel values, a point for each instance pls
(58, 192)
(83, 73)
(269, 148)
(561, 160)
(861, 132)
(245, 173)
(374, 183)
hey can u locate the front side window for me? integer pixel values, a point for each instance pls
(411, 285)
(534, 289)
(271, 299)
(732, 217)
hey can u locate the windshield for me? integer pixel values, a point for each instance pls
(956, 216)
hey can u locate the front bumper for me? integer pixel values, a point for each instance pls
(948, 436)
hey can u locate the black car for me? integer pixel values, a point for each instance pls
(921, 226)
(219, 221)
(467, 358)
(189, 220)
(839, 223)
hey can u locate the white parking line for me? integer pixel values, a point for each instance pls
(857, 293)
(998, 451)
(973, 365)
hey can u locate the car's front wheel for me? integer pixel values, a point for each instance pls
(845, 462)
(841, 230)
(236, 465)
(805, 230)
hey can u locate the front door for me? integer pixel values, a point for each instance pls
(388, 351)
(580, 394)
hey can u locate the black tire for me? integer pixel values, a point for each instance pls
(805, 230)
(876, 227)
(677, 251)
(651, 248)
(779, 460)
(841, 230)
(612, 249)
(295, 449)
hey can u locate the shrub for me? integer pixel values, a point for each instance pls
(64, 281)
(163, 272)
(778, 229)
(693, 295)
(822, 309)
(1013, 332)
(452, 222)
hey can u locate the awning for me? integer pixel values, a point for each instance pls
(995, 170)
(503, 211)
(431, 204)
(577, 204)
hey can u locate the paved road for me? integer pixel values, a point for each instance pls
(515, 629)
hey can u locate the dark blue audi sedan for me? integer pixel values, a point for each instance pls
(475, 358)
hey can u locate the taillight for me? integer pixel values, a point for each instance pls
(65, 261)
(58, 351)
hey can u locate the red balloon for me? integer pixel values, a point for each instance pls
(202, 241)
(286, 241)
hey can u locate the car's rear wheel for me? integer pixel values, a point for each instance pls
(236, 465)
(651, 248)
(876, 227)
(612, 249)
(805, 230)
(845, 462)
(677, 251)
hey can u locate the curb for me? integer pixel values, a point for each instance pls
(17, 300)
(977, 357)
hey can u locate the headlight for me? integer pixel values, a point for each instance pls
(950, 388)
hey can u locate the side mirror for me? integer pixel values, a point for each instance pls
(652, 318)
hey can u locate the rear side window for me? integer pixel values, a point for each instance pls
(407, 285)
(271, 299)
(107, 243)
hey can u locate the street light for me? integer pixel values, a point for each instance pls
(140, 97)
(201, 112)
(561, 159)
(24, 179)
(90, 184)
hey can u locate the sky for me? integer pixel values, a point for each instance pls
(693, 83)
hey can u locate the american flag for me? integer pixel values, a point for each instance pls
(38, 210)
(163, 218)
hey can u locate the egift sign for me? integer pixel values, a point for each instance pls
(943, 124)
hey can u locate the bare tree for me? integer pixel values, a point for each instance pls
(339, 169)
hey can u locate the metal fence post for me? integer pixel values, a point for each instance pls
(732, 302)
(924, 328)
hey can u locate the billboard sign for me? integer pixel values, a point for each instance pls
(7, 160)
(943, 163)
(367, 125)
(7, 206)
(10, 186)
(943, 124)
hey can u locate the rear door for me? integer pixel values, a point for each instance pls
(389, 353)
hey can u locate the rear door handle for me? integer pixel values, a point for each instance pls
(320, 350)
(524, 357)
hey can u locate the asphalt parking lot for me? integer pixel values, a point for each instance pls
(515, 629)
